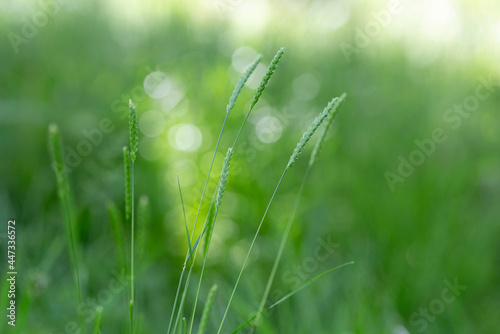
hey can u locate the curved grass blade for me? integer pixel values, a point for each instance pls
(118, 235)
(98, 320)
(303, 286)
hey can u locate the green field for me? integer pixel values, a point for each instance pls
(406, 185)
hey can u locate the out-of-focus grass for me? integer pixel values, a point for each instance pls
(441, 223)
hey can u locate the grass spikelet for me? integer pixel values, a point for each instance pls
(128, 185)
(98, 320)
(118, 234)
(260, 89)
(223, 177)
(207, 309)
(133, 131)
(265, 80)
(326, 127)
(239, 86)
(143, 222)
(310, 132)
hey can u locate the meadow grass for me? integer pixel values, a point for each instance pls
(179, 320)
(64, 194)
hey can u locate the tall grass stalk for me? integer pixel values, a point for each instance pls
(295, 155)
(232, 101)
(98, 320)
(64, 194)
(314, 154)
(211, 225)
(129, 158)
(260, 89)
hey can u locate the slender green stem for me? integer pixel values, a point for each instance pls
(250, 249)
(202, 273)
(74, 258)
(132, 253)
(302, 287)
(282, 245)
(188, 256)
(194, 253)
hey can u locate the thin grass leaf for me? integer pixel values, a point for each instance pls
(128, 185)
(211, 223)
(207, 309)
(184, 326)
(98, 320)
(133, 131)
(303, 286)
(118, 235)
(184, 215)
(63, 190)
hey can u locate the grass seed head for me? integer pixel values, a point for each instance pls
(133, 130)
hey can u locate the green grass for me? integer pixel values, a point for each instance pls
(130, 155)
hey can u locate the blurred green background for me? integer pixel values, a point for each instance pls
(409, 69)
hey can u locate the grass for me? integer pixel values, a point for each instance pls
(64, 193)
(178, 319)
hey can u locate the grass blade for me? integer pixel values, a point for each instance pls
(184, 215)
(211, 224)
(98, 320)
(64, 190)
(118, 235)
(303, 286)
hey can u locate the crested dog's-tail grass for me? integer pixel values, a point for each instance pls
(260, 89)
(295, 155)
(129, 161)
(178, 320)
(332, 112)
(232, 101)
(64, 193)
(263, 84)
(211, 224)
